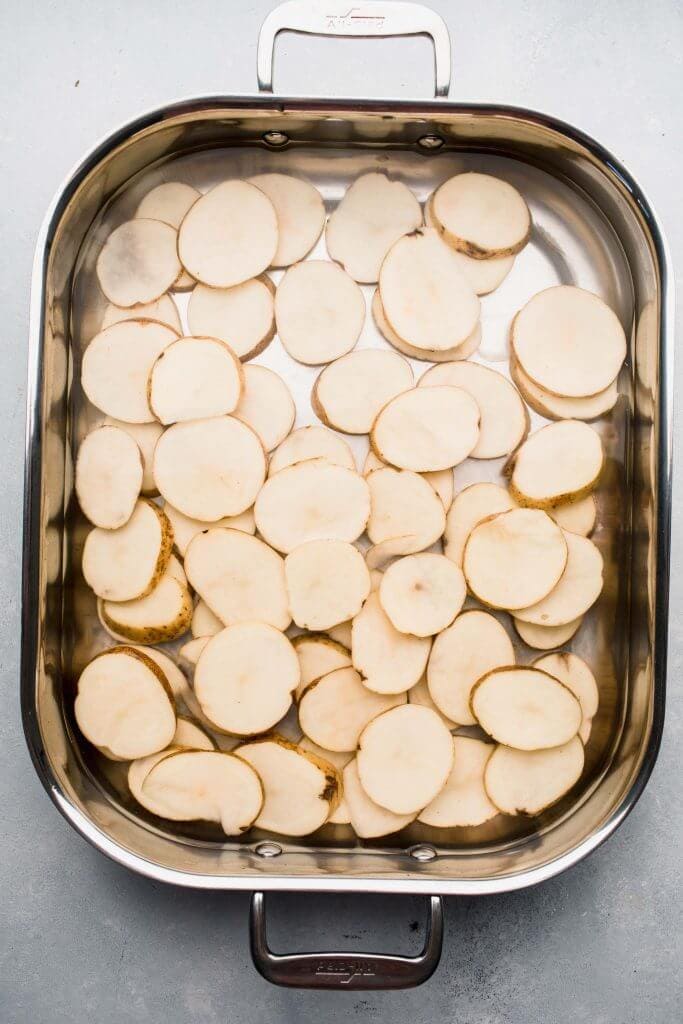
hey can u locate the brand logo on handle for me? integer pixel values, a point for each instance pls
(355, 21)
(346, 971)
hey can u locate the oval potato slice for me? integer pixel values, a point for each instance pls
(108, 476)
(349, 393)
(558, 463)
(138, 262)
(462, 351)
(576, 516)
(525, 708)
(185, 528)
(422, 594)
(463, 801)
(327, 582)
(204, 622)
(441, 480)
(528, 781)
(334, 710)
(419, 694)
(187, 734)
(300, 215)
(124, 564)
(311, 443)
(368, 819)
(557, 407)
(470, 507)
(194, 378)
(163, 310)
(318, 655)
(242, 316)
(427, 429)
(319, 312)
(175, 678)
(145, 436)
(402, 505)
(545, 638)
(483, 275)
(481, 215)
(169, 202)
(389, 661)
(575, 674)
(164, 614)
(266, 405)
(578, 589)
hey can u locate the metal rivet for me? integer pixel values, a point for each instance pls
(430, 142)
(268, 850)
(275, 138)
(423, 853)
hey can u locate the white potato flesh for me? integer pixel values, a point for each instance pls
(239, 577)
(585, 730)
(373, 462)
(311, 442)
(576, 675)
(504, 420)
(120, 565)
(189, 653)
(169, 202)
(242, 316)
(350, 392)
(185, 528)
(266, 405)
(245, 678)
(145, 436)
(327, 582)
(462, 351)
(525, 708)
(117, 364)
(389, 661)
(481, 215)
(379, 556)
(164, 614)
(163, 310)
(514, 555)
(427, 429)
(528, 781)
(229, 235)
(425, 295)
(419, 694)
(558, 407)
(195, 378)
(422, 594)
(204, 622)
(174, 676)
(404, 758)
(475, 644)
(318, 656)
(338, 758)
(403, 504)
(368, 819)
(211, 468)
(187, 734)
(341, 634)
(312, 500)
(108, 476)
(576, 516)
(139, 769)
(441, 482)
(300, 215)
(319, 312)
(138, 262)
(470, 507)
(568, 341)
(463, 801)
(546, 638)
(124, 704)
(483, 275)
(578, 589)
(334, 710)
(558, 463)
(341, 814)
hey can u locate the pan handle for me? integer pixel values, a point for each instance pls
(357, 971)
(346, 18)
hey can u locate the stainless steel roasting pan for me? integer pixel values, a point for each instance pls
(592, 227)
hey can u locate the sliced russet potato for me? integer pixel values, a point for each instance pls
(512, 555)
(327, 582)
(341, 634)
(195, 378)
(189, 652)
(481, 215)
(557, 407)
(373, 462)
(145, 436)
(117, 364)
(568, 341)
(462, 351)
(163, 614)
(245, 678)
(379, 556)
(242, 316)
(311, 443)
(546, 638)
(389, 661)
(138, 262)
(427, 429)
(422, 594)
(470, 507)
(419, 694)
(558, 463)
(504, 420)
(483, 275)
(123, 564)
(463, 801)
(576, 516)
(334, 710)
(108, 476)
(300, 215)
(187, 734)
(204, 622)
(239, 577)
(210, 468)
(339, 758)
(403, 504)
(139, 769)
(441, 481)
(318, 655)
(349, 393)
(368, 819)
(163, 310)
(528, 781)
(124, 704)
(229, 235)
(525, 708)
(169, 202)
(266, 405)
(577, 590)
(175, 678)
(312, 500)
(404, 758)
(319, 312)
(185, 528)
(576, 675)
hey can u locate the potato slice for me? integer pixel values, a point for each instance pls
(422, 594)
(568, 341)
(203, 785)
(483, 275)
(123, 564)
(462, 351)
(528, 781)
(404, 758)
(425, 296)
(138, 262)
(525, 708)
(558, 463)
(577, 590)
(211, 468)
(124, 704)
(557, 407)
(189, 653)
(163, 310)
(319, 312)
(402, 505)
(204, 622)
(504, 420)
(575, 674)
(318, 655)
(239, 577)
(481, 215)
(185, 528)
(576, 516)
(266, 405)
(368, 819)
(117, 364)
(379, 556)
(585, 730)
(187, 734)
(463, 801)
(145, 436)
(169, 202)
(195, 378)
(545, 638)
(349, 393)
(229, 235)
(427, 429)
(419, 694)
(311, 443)
(164, 614)
(470, 507)
(242, 316)
(341, 634)
(327, 582)
(108, 477)
(441, 482)
(301, 790)
(389, 661)
(312, 500)
(139, 769)
(245, 678)
(300, 215)
(175, 678)
(475, 644)
(334, 710)
(513, 555)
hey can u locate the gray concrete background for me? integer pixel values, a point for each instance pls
(80, 938)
